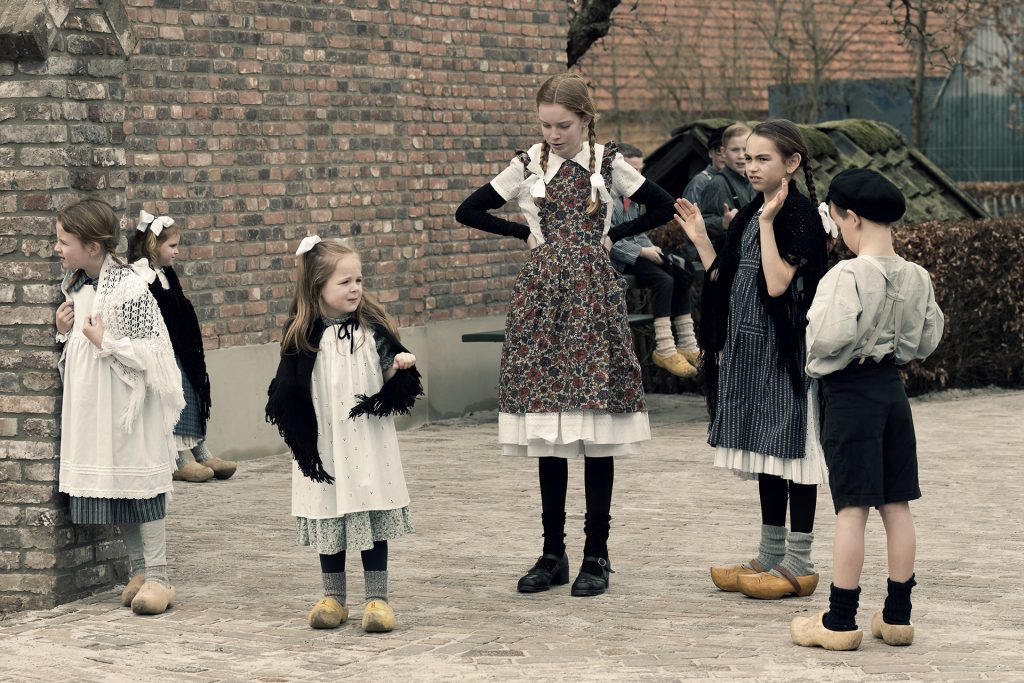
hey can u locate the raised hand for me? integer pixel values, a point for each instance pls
(65, 318)
(772, 206)
(689, 219)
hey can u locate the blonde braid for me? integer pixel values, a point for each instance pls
(595, 200)
(544, 149)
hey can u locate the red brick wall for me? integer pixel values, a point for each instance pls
(251, 123)
(254, 126)
(60, 137)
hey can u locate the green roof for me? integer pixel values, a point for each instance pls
(834, 146)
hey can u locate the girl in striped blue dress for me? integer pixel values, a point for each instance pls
(763, 415)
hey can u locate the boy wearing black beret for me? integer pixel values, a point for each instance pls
(869, 314)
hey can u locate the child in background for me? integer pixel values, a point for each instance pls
(870, 314)
(152, 250)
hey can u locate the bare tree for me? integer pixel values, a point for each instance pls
(935, 31)
(589, 21)
(804, 38)
(1004, 65)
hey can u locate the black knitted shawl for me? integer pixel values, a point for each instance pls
(290, 400)
(186, 337)
(800, 237)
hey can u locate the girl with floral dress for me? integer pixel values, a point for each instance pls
(570, 382)
(343, 374)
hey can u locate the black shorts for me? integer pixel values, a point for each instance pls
(868, 436)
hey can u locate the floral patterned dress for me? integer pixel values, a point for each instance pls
(570, 382)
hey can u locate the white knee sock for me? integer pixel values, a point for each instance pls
(663, 342)
(683, 325)
(132, 536)
(154, 546)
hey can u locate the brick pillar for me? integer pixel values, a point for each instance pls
(61, 135)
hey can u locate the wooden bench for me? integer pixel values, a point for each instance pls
(635, 320)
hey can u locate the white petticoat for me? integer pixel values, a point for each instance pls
(810, 469)
(574, 434)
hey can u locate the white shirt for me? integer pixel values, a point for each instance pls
(511, 183)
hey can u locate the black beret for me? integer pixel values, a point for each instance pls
(868, 194)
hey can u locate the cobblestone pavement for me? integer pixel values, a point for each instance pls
(245, 587)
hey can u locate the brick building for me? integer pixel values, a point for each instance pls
(252, 123)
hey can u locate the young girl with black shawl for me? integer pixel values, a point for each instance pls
(153, 249)
(343, 375)
(762, 405)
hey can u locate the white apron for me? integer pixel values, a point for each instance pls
(362, 453)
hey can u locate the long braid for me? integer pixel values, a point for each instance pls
(595, 201)
(544, 150)
(809, 181)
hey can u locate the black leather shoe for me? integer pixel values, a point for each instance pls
(593, 577)
(550, 570)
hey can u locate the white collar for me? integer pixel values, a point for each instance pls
(555, 162)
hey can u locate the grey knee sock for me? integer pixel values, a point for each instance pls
(154, 545)
(376, 585)
(334, 585)
(772, 548)
(179, 459)
(201, 453)
(132, 536)
(798, 554)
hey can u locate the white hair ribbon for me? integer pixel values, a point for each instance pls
(539, 189)
(307, 243)
(597, 182)
(145, 218)
(156, 224)
(826, 220)
(142, 269)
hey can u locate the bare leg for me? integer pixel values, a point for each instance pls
(848, 551)
(900, 540)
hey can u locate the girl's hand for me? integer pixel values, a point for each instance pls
(606, 242)
(531, 242)
(93, 330)
(689, 219)
(65, 318)
(403, 361)
(771, 207)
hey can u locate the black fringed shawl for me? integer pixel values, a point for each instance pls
(186, 337)
(800, 237)
(290, 401)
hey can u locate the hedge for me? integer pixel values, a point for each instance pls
(977, 267)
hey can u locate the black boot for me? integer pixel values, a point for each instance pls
(593, 577)
(550, 570)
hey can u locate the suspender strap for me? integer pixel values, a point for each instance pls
(893, 306)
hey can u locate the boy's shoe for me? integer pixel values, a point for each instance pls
(153, 598)
(593, 578)
(378, 617)
(675, 364)
(892, 634)
(192, 472)
(725, 577)
(811, 632)
(767, 586)
(222, 469)
(132, 589)
(328, 613)
(692, 357)
(549, 570)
